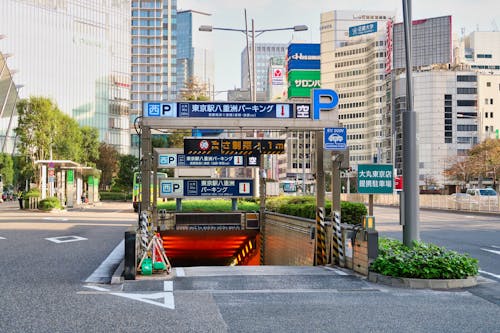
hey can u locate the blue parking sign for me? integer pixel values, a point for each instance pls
(335, 138)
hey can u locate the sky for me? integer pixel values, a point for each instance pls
(467, 15)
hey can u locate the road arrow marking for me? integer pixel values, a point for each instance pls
(168, 297)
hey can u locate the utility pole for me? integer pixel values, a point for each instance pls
(410, 195)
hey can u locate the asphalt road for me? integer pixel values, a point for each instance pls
(47, 257)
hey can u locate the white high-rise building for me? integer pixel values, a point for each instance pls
(481, 50)
(353, 63)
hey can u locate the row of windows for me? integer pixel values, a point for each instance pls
(352, 105)
(466, 103)
(466, 78)
(351, 52)
(486, 115)
(484, 56)
(356, 115)
(352, 94)
(466, 128)
(350, 63)
(488, 101)
(146, 4)
(148, 32)
(146, 23)
(466, 91)
(351, 84)
(355, 136)
(485, 67)
(355, 126)
(146, 13)
(350, 73)
(154, 50)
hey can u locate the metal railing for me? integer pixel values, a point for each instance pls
(445, 202)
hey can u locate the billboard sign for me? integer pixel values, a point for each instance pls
(182, 160)
(210, 187)
(300, 83)
(244, 147)
(363, 29)
(303, 56)
(217, 110)
(375, 178)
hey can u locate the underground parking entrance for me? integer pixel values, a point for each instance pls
(213, 239)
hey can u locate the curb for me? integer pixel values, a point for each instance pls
(422, 283)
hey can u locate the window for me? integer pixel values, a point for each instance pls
(466, 78)
(466, 102)
(488, 84)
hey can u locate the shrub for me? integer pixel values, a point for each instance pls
(305, 206)
(49, 203)
(33, 193)
(423, 261)
(214, 205)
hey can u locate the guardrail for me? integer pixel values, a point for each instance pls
(434, 201)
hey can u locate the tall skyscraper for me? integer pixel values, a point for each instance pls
(195, 57)
(263, 54)
(154, 54)
(76, 52)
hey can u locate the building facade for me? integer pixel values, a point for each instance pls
(353, 63)
(263, 53)
(154, 54)
(195, 56)
(78, 54)
(8, 99)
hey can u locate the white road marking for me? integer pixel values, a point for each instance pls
(3, 238)
(490, 274)
(168, 286)
(338, 271)
(492, 251)
(496, 247)
(65, 239)
(55, 219)
(180, 271)
(104, 271)
(168, 297)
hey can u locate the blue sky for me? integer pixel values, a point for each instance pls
(480, 15)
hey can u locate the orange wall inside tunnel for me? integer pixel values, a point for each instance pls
(208, 248)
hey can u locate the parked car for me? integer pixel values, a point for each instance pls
(462, 198)
(483, 194)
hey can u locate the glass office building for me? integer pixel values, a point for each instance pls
(8, 100)
(76, 52)
(154, 53)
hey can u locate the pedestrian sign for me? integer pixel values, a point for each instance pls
(375, 178)
(335, 138)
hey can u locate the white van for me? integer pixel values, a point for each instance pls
(486, 194)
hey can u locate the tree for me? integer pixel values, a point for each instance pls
(107, 163)
(194, 91)
(176, 139)
(6, 169)
(90, 146)
(36, 130)
(128, 164)
(67, 140)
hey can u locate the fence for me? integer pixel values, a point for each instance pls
(445, 202)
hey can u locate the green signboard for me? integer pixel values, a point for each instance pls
(90, 180)
(300, 83)
(70, 176)
(375, 178)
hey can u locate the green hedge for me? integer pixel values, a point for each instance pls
(115, 196)
(423, 261)
(212, 205)
(305, 206)
(49, 203)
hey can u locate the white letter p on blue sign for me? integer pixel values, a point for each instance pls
(324, 100)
